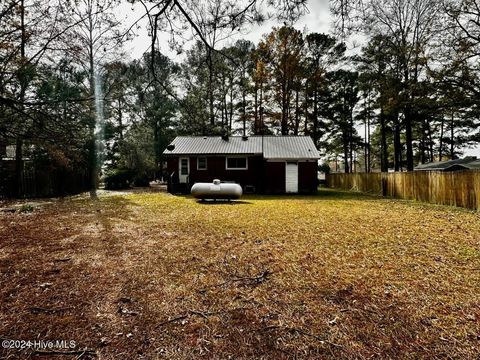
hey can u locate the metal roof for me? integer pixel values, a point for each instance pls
(289, 147)
(469, 162)
(272, 147)
(474, 165)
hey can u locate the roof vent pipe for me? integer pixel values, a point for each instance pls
(225, 137)
(244, 138)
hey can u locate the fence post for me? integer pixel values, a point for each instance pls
(384, 184)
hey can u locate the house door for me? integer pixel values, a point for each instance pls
(291, 177)
(184, 170)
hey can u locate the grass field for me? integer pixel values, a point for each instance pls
(151, 275)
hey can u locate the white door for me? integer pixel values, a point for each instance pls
(291, 177)
(183, 170)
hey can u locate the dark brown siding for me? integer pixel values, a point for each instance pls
(275, 177)
(216, 169)
(172, 165)
(266, 177)
(307, 177)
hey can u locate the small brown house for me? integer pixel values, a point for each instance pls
(260, 164)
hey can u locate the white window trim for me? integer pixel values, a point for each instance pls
(198, 162)
(236, 157)
(180, 166)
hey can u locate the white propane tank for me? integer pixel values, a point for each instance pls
(216, 190)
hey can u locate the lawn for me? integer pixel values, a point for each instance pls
(151, 275)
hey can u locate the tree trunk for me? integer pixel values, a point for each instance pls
(365, 148)
(423, 142)
(346, 154)
(156, 144)
(430, 140)
(210, 89)
(315, 116)
(255, 108)
(18, 189)
(440, 149)
(384, 149)
(120, 118)
(409, 137)
(231, 106)
(262, 125)
(409, 115)
(223, 110)
(397, 146)
(366, 133)
(244, 112)
(350, 140)
(91, 149)
(369, 162)
(305, 130)
(297, 114)
(284, 128)
(452, 135)
(401, 160)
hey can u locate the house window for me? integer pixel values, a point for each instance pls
(184, 167)
(10, 152)
(201, 163)
(237, 163)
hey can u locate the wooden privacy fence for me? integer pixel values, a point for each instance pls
(460, 188)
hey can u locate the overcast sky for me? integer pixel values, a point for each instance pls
(317, 19)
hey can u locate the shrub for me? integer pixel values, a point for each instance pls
(26, 208)
(141, 180)
(117, 179)
(325, 168)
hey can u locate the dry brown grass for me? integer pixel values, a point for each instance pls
(337, 275)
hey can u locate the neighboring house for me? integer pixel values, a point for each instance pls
(260, 164)
(467, 163)
(8, 183)
(7, 152)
